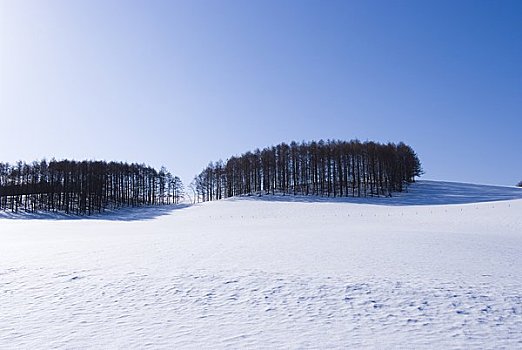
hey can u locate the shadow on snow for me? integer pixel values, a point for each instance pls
(422, 192)
(121, 214)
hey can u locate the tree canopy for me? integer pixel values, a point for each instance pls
(84, 187)
(330, 168)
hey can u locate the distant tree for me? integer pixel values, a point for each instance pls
(325, 168)
(193, 198)
(178, 190)
(84, 187)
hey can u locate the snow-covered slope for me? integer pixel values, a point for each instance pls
(437, 267)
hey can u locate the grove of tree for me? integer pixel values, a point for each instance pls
(324, 168)
(84, 187)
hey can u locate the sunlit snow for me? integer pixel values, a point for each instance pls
(437, 267)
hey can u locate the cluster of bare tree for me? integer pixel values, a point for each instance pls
(331, 168)
(84, 187)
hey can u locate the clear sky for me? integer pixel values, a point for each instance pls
(183, 83)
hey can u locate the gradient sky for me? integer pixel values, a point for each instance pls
(183, 83)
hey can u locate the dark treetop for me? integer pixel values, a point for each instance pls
(324, 168)
(84, 187)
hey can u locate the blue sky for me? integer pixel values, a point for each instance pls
(183, 83)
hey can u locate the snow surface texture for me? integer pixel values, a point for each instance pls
(437, 267)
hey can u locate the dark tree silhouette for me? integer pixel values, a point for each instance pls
(324, 168)
(84, 187)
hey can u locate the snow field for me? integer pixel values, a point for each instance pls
(270, 272)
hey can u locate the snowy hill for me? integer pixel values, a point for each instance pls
(437, 267)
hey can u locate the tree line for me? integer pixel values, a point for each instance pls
(84, 187)
(325, 168)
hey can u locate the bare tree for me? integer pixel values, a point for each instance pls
(84, 187)
(325, 168)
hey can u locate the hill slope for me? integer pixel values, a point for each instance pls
(438, 266)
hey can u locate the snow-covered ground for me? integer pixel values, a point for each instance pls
(437, 267)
